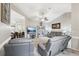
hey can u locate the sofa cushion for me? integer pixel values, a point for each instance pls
(19, 40)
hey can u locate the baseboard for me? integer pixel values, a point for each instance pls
(76, 51)
(6, 41)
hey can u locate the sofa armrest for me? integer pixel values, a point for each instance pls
(41, 51)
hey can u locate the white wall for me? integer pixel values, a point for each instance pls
(4, 33)
(0, 11)
(75, 26)
(65, 21)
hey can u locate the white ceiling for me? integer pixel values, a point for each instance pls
(51, 10)
(15, 15)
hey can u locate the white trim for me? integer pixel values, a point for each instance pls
(6, 41)
(75, 37)
(74, 49)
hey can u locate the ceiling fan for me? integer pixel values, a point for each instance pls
(43, 14)
(42, 17)
(45, 18)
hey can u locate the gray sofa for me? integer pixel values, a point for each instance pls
(60, 44)
(56, 45)
(19, 47)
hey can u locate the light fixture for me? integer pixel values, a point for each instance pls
(43, 13)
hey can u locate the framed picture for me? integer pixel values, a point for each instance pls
(56, 26)
(5, 13)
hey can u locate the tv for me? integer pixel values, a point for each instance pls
(31, 29)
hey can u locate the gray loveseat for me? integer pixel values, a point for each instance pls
(19, 47)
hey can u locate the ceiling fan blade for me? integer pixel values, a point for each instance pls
(45, 19)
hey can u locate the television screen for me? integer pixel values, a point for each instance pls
(31, 29)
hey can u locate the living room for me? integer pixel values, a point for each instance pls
(45, 29)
